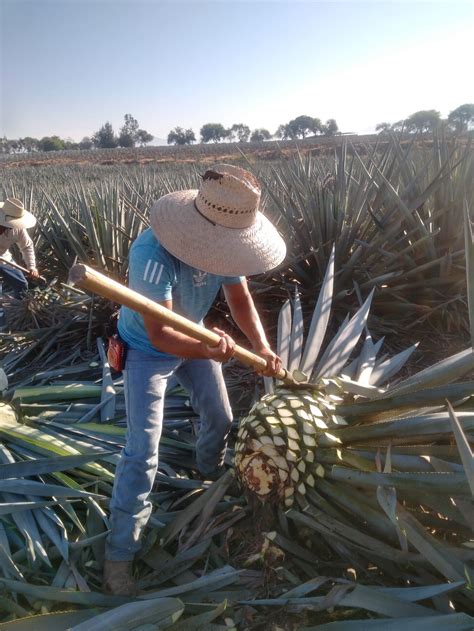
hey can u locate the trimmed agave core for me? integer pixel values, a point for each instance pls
(275, 448)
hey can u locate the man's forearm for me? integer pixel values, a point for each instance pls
(175, 343)
(247, 319)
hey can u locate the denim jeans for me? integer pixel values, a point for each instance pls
(13, 280)
(145, 379)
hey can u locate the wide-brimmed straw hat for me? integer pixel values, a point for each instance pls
(14, 215)
(219, 228)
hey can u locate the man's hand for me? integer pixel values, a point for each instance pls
(273, 361)
(34, 272)
(224, 351)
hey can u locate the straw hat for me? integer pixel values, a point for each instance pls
(218, 228)
(14, 215)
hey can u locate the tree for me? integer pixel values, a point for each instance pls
(4, 145)
(239, 131)
(213, 131)
(462, 118)
(383, 128)
(128, 132)
(331, 127)
(51, 143)
(29, 144)
(86, 143)
(283, 132)
(180, 136)
(424, 120)
(105, 137)
(143, 137)
(302, 126)
(399, 126)
(259, 135)
(70, 144)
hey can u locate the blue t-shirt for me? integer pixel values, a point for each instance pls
(158, 275)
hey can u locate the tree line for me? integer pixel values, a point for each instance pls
(130, 135)
(459, 120)
(299, 127)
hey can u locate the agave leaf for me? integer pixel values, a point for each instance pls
(390, 367)
(441, 557)
(9, 606)
(57, 621)
(339, 350)
(464, 447)
(8, 566)
(45, 465)
(214, 580)
(413, 399)
(45, 442)
(319, 321)
(360, 596)
(366, 361)
(39, 488)
(200, 621)
(35, 394)
(189, 513)
(448, 622)
(284, 334)
(40, 592)
(297, 333)
(469, 245)
(161, 612)
(382, 602)
(454, 483)
(107, 411)
(443, 372)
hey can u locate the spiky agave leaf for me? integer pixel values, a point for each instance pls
(320, 451)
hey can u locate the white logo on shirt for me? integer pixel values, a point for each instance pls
(150, 270)
(199, 279)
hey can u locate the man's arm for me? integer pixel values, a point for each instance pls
(168, 340)
(25, 245)
(245, 314)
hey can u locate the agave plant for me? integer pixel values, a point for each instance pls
(393, 210)
(370, 469)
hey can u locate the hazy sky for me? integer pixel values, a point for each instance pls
(67, 66)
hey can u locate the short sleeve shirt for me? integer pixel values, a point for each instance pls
(158, 275)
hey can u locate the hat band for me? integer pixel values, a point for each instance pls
(203, 215)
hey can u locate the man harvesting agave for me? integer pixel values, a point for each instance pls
(14, 222)
(199, 241)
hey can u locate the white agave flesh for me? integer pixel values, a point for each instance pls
(303, 414)
(293, 445)
(309, 428)
(295, 403)
(309, 441)
(292, 433)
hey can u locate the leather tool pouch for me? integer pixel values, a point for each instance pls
(116, 353)
(117, 349)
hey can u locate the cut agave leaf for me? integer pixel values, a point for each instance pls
(319, 321)
(160, 612)
(339, 350)
(297, 334)
(284, 334)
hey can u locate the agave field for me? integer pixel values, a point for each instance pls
(348, 502)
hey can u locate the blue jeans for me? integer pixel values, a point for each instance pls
(13, 280)
(145, 379)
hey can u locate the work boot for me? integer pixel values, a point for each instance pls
(118, 579)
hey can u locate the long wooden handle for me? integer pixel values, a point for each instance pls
(87, 278)
(21, 269)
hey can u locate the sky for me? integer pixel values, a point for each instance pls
(68, 66)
